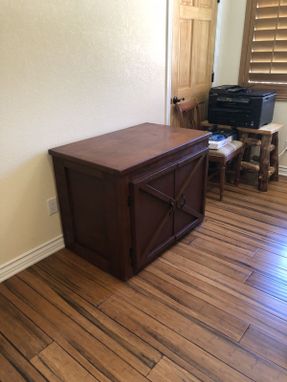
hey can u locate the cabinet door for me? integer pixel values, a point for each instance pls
(152, 215)
(190, 188)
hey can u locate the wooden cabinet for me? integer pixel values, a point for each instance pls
(127, 196)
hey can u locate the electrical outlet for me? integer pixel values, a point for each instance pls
(52, 206)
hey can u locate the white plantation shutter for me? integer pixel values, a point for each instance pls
(264, 50)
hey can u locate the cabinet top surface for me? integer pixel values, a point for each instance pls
(125, 149)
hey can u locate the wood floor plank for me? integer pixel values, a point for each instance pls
(168, 371)
(189, 305)
(21, 331)
(198, 286)
(209, 231)
(230, 250)
(105, 360)
(278, 260)
(220, 250)
(273, 211)
(200, 363)
(14, 367)
(276, 225)
(241, 233)
(142, 356)
(222, 348)
(265, 346)
(273, 193)
(73, 278)
(255, 296)
(225, 261)
(234, 220)
(8, 373)
(12, 293)
(222, 264)
(272, 286)
(56, 365)
(265, 200)
(90, 271)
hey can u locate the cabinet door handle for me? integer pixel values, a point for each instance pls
(172, 207)
(181, 202)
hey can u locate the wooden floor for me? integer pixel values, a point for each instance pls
(213, 308)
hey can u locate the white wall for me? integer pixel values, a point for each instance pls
(69, 69)
(230, 27)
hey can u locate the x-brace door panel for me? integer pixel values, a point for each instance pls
(165, 206)
(189, 187)
(152, 212)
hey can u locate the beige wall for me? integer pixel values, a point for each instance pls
(228, 52)
(68, 70)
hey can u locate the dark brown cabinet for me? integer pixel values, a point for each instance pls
(128, 195)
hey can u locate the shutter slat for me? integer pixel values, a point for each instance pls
(271, 12)
(270, 24)
(278, 35)
(261, 57)
(267, 46)
(267, 3)
(268, 78)
(274, 67)
(269, 57)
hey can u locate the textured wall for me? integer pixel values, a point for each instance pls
(68, 70)
(228, 52)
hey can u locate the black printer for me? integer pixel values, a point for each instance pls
(238, 106)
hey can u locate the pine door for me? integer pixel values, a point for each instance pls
(194, 24)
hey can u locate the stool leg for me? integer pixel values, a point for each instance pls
(221, 180)
(264, 163)
(274, 160)
(238, 167)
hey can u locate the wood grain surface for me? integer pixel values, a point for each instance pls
(212, 308)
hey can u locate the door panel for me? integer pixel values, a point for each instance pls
(189, 188)
(194, 24)
(152, 215)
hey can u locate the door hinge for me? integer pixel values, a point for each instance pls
(130, 200)
(212, 77)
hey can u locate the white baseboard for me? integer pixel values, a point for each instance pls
(31, 257)
(283, 170)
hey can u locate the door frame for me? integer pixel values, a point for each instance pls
(169, 16)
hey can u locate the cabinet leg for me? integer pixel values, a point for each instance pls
(264, 163)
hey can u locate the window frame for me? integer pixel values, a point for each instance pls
(281, 89)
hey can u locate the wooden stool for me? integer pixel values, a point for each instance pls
(223, 156)
(266, 137)
(190, 117)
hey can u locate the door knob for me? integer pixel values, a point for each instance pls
(175, 100)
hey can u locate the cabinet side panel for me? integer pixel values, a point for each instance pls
(89, 214)
(86, 203)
